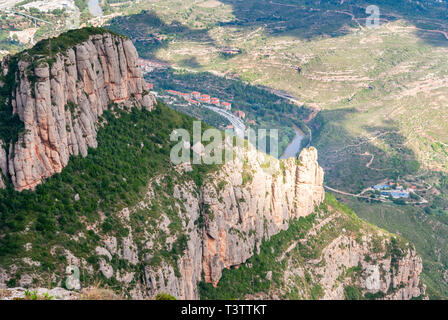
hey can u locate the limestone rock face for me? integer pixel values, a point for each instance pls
(238, 213)
(3, 165)
(60, 104)
(400, 280)
(246, 212)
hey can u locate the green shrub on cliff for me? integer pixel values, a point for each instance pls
(164, 296)
(133, 147)
(65, 41)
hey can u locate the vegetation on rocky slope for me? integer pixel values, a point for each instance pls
(133, 147)
(321, 71)
(380, 92)
(287, 264)
(10, 125)
(64, 41)
(428, 233)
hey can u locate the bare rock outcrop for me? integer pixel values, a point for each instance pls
(239, 214)
(182, 233)
(240, 205)
(60, 102)
(224, 223)
(395, 277)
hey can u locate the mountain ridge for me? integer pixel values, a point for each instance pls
(60, 97)
(121, 213)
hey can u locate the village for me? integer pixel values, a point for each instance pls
(237, 118)
(392, 191)
(396, 191)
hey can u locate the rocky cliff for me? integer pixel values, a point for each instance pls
(252, 204)
(59, 98)
(330, 254)
(240, 206)
(129, 218)
(247, 233)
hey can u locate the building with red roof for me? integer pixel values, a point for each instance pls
(186, 96)
(193, 101)
(205, 98)
(227, 105)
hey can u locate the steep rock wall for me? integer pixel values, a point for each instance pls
(237, 216)
(226, 221)
(60, 104)
(398, 277)
(243, 213)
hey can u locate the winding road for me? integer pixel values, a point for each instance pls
(238, 124)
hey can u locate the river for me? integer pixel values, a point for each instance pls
(294, 148)
(94, 8)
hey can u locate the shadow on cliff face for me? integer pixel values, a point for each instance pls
(308, 19)
(150, 33)
(351, 163)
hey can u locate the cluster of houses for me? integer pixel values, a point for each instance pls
(15, 23)
(198, 98)
(394, 190)
(195, 97)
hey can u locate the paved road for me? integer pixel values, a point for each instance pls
(238, 124)
(423, 201)
(24, 15)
